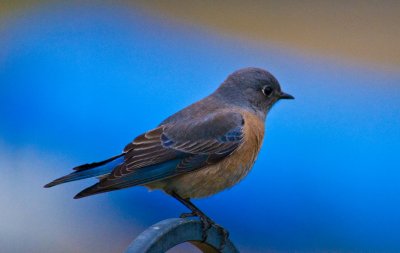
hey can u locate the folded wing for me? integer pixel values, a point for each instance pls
(172, 149)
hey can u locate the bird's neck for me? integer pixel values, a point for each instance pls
(236, 101)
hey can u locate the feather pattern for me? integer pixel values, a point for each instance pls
(166, 152)
(89, 170)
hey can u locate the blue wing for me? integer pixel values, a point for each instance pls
(173, 149)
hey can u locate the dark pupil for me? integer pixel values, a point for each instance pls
(267, 91)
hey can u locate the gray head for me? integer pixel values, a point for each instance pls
(254, 88)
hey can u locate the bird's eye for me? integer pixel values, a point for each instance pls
(267, 90)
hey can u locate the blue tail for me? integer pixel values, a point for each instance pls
(89, 170)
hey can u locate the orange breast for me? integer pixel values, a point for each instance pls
(225, 174)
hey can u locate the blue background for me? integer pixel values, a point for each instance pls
(77, 84)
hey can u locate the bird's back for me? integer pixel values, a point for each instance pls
(198, 110)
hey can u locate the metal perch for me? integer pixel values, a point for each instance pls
(171, 232)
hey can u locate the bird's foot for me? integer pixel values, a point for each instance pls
(187, 215)
(206, 225)
(225, 235)
(206, 222)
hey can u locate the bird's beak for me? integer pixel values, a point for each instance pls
(285, 96)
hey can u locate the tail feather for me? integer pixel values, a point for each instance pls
(138, 177)
(89, 170)
(92, 190)
(96, 164)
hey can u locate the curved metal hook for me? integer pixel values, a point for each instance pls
(168, 233)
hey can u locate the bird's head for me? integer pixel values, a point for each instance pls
(253, 88)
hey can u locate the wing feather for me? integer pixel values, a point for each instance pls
(173, 149)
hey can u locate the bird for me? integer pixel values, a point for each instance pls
(205, 148)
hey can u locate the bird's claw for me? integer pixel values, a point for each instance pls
(187, 215)
(205, 222)
(206, 225)
(225, 236)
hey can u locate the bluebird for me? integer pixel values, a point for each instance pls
(201, 150)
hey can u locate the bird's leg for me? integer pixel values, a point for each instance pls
(206, 221)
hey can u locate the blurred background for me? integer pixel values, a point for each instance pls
(79, 80)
